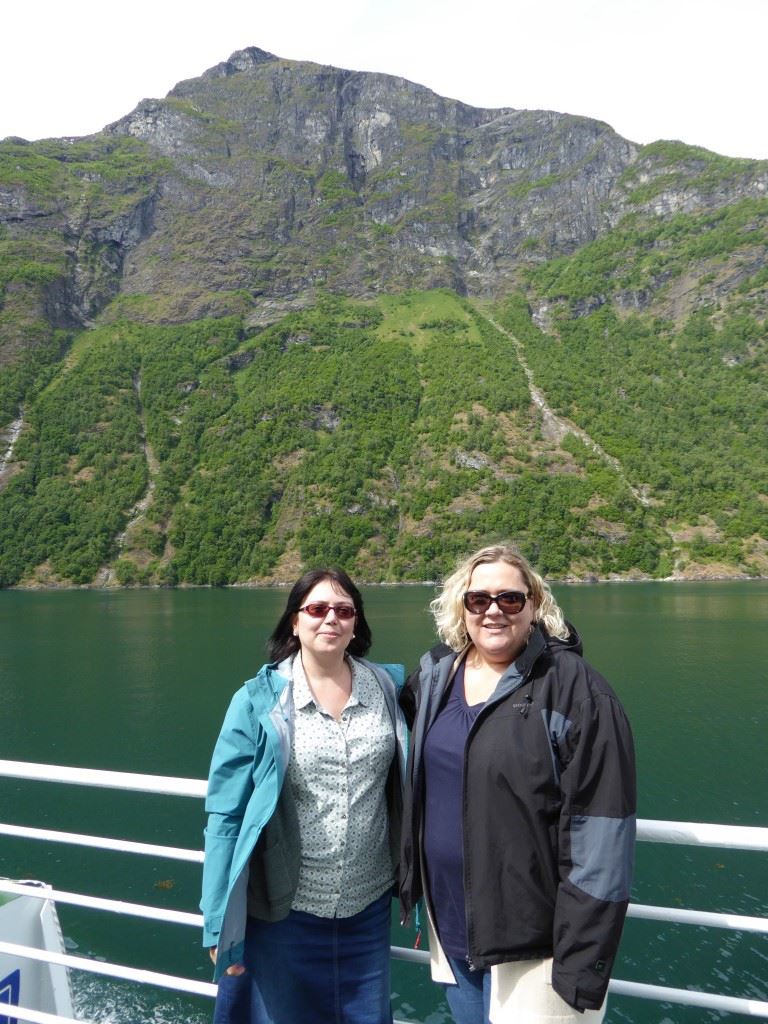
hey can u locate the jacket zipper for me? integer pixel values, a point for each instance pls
(483, 714)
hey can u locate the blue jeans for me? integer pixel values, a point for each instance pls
(312, 970)
(470, 998)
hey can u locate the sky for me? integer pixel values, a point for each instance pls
(693, 70)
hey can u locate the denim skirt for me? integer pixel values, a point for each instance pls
(312, 970)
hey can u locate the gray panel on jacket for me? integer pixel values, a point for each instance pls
(603, 855)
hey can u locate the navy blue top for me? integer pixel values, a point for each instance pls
(444, 815)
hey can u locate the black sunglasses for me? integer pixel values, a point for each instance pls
(509, 601)
(319, 610)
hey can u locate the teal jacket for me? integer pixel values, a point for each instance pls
(246, 802)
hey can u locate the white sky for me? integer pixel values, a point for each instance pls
(693, 70)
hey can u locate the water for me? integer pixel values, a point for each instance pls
(139, 681)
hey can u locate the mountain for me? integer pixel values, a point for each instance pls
(292, 314)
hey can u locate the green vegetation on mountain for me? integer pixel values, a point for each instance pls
(681, 404)
(293, 315)
(641, 255)
(385, 437)
(61, 188)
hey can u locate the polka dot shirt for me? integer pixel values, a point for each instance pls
(338, 772)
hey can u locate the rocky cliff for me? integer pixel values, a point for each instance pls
(299, 176)
(630, 281)
(267, 179)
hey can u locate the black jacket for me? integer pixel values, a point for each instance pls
(549, 814)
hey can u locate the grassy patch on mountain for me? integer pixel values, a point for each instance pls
(666, 165)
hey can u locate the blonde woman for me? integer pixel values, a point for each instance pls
(519, 819)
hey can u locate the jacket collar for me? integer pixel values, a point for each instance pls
(266, 687)
(536, 646)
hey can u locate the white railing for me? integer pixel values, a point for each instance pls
(682, 833)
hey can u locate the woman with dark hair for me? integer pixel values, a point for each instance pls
(519, 820)
(304, 806)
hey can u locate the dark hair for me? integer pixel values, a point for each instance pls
(283, 643)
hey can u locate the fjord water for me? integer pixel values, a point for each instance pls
(139, 681)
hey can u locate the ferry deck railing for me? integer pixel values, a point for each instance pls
(735, 837)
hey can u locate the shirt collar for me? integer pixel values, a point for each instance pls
(302, 695)
(362, 680)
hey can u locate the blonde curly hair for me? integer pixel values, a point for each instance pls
(448, 608)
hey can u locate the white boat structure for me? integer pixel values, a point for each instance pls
(45, 946)
(28, 918)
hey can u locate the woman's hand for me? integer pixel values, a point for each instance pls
(234, 969)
